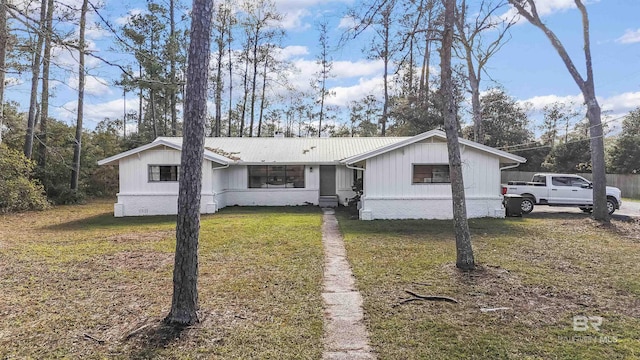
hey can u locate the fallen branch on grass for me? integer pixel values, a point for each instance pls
(432, 297)
(418, 297)
(136, 331)
(486, 310)
(88, 336)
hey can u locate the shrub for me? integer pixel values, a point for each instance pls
(18, 191)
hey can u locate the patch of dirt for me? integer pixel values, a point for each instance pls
(139, 260)
(142, 236)
(629, 229)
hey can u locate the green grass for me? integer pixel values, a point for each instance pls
(630, 199)
(75, 272)
(545, 268)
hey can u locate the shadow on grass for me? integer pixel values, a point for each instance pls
(154, 339)
(302, 209)
(489, 226)
(107, 220)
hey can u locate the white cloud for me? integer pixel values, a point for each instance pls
(630, 36)
(544, 8)
(344, 95)
(537, 103)
(347, 22)
(624, 102)
(94, 113)
(616, 104)
(350, 69)
(294, 19)
(93, 85)
(296, 11)
(293, 51)
(123, 20)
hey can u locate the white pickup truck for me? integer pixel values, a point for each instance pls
(560, 190)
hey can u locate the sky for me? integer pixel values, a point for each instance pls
(527, 67)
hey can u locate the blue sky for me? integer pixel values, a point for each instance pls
(527, 67)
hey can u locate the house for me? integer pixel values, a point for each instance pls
(404, 177)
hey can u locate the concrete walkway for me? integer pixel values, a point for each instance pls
(345, 335)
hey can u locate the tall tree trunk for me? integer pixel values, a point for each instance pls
(245, 83)
(174, 85)
(264, 94)
(35, 74)
(44, 103)
(474, 84)
(184, 304)
(229, 42)
(385, 75)
(253, 82)
(77, 146)
(218, 95)
(3, 58)
(464, 251)
(587, 87)
(140, 98)
(152, 107)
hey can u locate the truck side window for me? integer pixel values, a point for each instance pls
(577, 182)
(561, 181)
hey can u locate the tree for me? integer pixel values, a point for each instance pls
(18, 191)
(319, 83)
(184, 304)
(505, 121)
(556, 114)
(46, 65)
(464, 251)
(222, 32)
(527, 8)
(4, 40)
(476, 54)
(77, 146)
(35, 75)
(625, 155)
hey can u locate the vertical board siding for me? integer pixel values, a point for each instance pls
(391, 174)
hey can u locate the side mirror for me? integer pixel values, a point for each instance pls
(587, 186)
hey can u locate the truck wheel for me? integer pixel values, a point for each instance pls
(527, 205)
(611, 206)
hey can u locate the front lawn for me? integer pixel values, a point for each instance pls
(544, 268)
(76, 283)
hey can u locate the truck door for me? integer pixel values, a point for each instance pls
(581, 192)
(560, 190)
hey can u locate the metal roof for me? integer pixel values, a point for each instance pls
(258, 150)
(263, 150)
(209, 155)
(440, 136)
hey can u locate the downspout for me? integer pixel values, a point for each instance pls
(215, 194)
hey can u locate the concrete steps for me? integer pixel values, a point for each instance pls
(328, 201)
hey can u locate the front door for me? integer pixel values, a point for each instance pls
(327, 180)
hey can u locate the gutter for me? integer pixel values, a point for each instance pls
(353, 167)
(510, 167)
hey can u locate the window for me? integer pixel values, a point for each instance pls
(163, 173)
(276, 176)
(431, 174)
(569, 181)
(561, 181)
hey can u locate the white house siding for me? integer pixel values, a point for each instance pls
(390, 194)
(344, 183)
(139, 197)
(238, 193)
